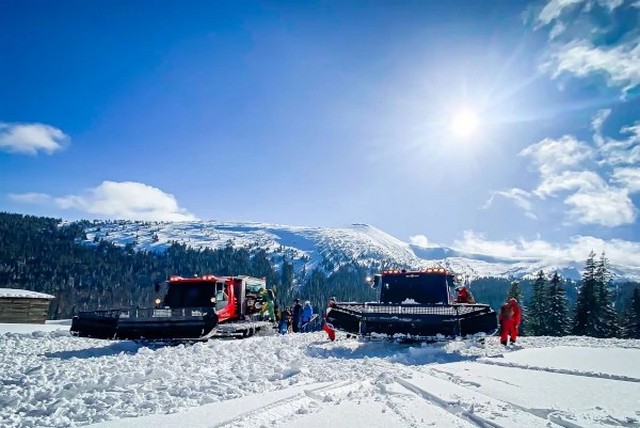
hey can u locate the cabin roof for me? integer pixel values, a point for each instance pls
(15, 293)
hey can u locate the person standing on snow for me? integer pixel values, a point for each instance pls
(328, 328)
(267, 306)
(285, 321)
(510, 317)
(297, 315)
(307, 313)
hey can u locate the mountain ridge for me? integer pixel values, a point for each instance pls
(328, 248)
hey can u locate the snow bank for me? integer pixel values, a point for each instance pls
(25, 294)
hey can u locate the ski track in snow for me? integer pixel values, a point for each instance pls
(51, 379)
(561, 371)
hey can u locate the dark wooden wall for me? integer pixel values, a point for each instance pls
(22, 310)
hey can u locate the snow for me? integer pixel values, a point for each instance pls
(13, 293)
(309, 247)
(49, 378)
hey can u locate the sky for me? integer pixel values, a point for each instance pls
(478, 124)
(53, 379)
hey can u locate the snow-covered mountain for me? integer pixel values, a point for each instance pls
(328, 247)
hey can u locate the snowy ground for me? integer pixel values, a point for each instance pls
(51, 379)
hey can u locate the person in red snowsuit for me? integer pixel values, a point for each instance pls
(328, 328)
(510, 317)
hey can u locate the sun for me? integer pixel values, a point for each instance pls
(465, 123)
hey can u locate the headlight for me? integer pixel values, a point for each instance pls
(158, 301)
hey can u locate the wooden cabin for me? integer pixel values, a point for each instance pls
(23, 306)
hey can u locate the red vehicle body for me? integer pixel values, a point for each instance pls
(195, 308)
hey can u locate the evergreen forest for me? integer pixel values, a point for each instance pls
(48, 255)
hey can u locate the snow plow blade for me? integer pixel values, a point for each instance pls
(146, 324)
(421, 322)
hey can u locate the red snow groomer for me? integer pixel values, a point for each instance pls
(193, 309)
(414, 305)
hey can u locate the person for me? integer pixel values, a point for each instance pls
(464, 295)
(307, 314)
(510, 317)
(297, 315)
(285, 321)
(328, 328)
(267, 306)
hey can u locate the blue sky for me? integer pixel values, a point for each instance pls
(507, 126)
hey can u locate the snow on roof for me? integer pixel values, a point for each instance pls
(25, 294)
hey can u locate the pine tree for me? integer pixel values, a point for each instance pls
(584, 322)
(538, 307)
(631, 317)
(558, 312)
(516, 293)
(607, 317)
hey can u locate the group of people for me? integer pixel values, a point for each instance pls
(295, 318)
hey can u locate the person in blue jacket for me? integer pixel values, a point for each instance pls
(307, 314)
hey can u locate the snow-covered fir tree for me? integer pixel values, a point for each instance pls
(558, 308)
(608, 325)
(515, 292)
(538, 307)
(585, 318)
(594, 314)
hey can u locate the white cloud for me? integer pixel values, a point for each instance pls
(477, 243)
(554, 8)
(599, 119)
(608, 207)
(620, 152)
(552, 156)
(419, 241)
(119, 200)
(520, 197)
(619, 252)
(620, 64)
(30, 198)
(575, 29)
(629, 178)
(596, 196)
(29, 138)
(591, 200)
(583, 181)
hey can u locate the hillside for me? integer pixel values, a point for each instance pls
(329, 248)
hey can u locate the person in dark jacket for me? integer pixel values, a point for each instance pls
(297, 315)
(285, 321)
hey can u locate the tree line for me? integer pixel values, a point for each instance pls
(51, 256)
(596, 312)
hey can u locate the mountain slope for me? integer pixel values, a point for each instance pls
(328, 247)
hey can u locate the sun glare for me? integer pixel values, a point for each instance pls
(465, 123)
